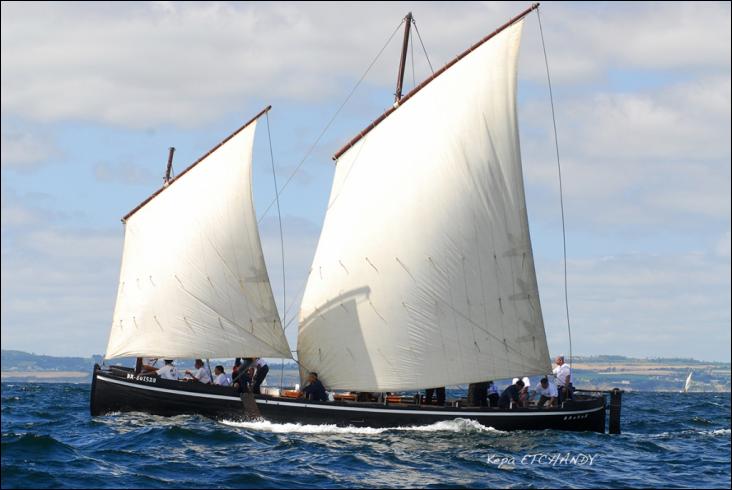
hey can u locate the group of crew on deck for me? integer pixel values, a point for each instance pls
(551, 392)
(248, 374)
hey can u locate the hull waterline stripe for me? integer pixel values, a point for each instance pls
(430, 412)
(167, 390)
(352, 409)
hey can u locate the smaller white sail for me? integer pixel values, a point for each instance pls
(193, 282)
(687, 384)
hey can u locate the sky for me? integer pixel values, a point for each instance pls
(93, 94)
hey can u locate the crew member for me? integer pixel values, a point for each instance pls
(314, 391)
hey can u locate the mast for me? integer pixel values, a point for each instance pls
(169, 168)
(439, 72)
(403, 59)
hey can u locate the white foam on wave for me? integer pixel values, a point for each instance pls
(667, 435)
(455, 425)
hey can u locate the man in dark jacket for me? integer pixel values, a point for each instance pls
(315, 391)
(511, 394)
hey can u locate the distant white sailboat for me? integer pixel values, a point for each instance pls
(687, 383)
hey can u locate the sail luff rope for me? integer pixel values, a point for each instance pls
(282, 237)
(561, 192)
(332, 119)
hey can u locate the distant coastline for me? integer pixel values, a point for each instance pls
(590, 372)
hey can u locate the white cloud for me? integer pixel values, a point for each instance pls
(651, 158)
(58, 282)
(25, 151)
(186, 63)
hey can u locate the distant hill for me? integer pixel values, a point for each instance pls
(16, 360)
(23, 366)
(590, 372)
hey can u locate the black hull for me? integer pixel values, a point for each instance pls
(121, 391)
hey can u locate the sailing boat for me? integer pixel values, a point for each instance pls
(423, 275)
(687, 383)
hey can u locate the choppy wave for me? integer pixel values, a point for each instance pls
(49, 440)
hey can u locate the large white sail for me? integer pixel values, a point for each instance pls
(193, 282)
(424, 274)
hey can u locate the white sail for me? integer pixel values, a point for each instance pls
(687, 384)
(424, 274)
(193, 282)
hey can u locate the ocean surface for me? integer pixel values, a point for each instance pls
(49, 439)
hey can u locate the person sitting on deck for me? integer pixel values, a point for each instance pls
(168, 371)
(314, 391)
(200, 374)
(261, 372)
(220, 377)
(493, 395)
(547, 392)
(430, 392)
(563, 373)
(511, 394)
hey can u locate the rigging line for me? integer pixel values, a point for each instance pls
(332, 119)
(561, 192)
(423, 48)
(294, 302)
(282, 237)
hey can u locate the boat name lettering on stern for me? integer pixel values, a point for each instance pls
(139, 377)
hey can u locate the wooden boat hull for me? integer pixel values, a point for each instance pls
(120, 390)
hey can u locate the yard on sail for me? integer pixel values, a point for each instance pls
(423, 275)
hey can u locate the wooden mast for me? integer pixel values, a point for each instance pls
(169, 168)
(403, 59)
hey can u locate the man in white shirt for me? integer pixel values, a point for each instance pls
(200, 374)
(547, 392)
(220, 377)
(563, 373)
(168, 371)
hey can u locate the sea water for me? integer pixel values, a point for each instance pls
(49, 440)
